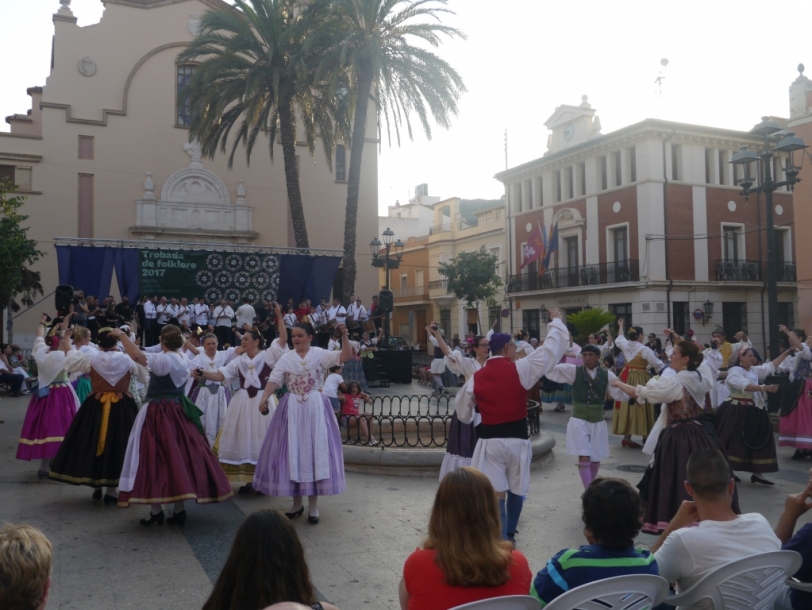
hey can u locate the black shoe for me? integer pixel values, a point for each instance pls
(97, 495)
(159, 519)
(755, 479)
(108, 499)
(798, 455)
(245, 488)
(312, 520)
(42, 474)
(177, 518)
(737, 479)
(293, 515)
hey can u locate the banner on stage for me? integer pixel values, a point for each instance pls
(213, 275)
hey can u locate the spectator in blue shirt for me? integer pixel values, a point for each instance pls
(612, 515)
(801, 542)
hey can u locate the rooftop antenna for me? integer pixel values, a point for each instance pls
(659, 82)
(506, 161)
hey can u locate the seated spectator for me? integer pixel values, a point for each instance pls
(612, 513)
(463, 559)
(25, 568)
(685, 553)
(14, 380)
(266, 566)
(801, 542)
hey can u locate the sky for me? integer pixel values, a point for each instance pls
(730, 62)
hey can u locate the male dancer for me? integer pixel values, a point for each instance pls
(587, 436)
(499, 389)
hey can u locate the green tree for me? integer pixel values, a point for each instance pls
(588, 321)
(17, 252)
(371, 44)
(472, 277)
(255, 73)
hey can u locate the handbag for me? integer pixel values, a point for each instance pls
(43, 392)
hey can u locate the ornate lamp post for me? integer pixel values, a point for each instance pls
(387, 261)
(782, 142)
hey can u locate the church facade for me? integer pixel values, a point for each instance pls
(104, 151)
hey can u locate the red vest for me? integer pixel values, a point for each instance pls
(499, 393)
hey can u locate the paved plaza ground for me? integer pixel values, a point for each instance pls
(104, 560)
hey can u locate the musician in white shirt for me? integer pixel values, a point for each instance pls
(164, 312)
(150, 324)
(337, 312)
(183, 312)
(357, 311)
(222, 324)
(245, 314)
(201, 313)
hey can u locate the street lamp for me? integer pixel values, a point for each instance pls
(785, 143)
(384, 259)
(544, 314)
(707, 313)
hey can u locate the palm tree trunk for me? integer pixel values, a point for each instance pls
(288, 138)
(354, 178)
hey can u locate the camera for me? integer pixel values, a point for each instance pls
(435, 327)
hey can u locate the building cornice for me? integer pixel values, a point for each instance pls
(679, 133)
(215, 4)
(10, 156)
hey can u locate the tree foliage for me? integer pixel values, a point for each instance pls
(17, 252)
(258, 78)
(472, 276)
(588, 321)
(369, 46)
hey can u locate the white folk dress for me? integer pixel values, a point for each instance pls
(244, 428)
(211, 397)
(302, 454)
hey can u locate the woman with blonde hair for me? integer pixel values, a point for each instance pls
(463, 559)
(82, 343)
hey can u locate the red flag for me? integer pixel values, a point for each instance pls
(534, 248)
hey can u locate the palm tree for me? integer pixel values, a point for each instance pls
(370, 43)
(255, 73)
(588, 321)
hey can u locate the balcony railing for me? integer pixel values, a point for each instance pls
(571, 277)
(411, 291)
(443, 228)
(786, 272)
(738, 271)
(752, 271)
(437, 284)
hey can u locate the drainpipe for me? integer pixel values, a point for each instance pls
(665, 227)
(764, 280)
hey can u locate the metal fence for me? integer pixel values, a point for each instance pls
(411, 421)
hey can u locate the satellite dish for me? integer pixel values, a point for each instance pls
(663, 62)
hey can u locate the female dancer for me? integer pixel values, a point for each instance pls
(795, 425)
(631, 417)
(682, 393)
(93, 450)
(54, 405)
(82, 343)
(211, 397)
(461, 437)
(742, 421)
(302, 453)
(244, 429)
(168, 458)
(353, 369)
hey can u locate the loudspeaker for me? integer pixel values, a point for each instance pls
(63, 297)
(385, 301)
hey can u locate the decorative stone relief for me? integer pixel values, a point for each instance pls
(528, 227)
(193, 200)
(731, 205)
(87, 67)
(779, 210)
(194, 25)
(616, 207)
